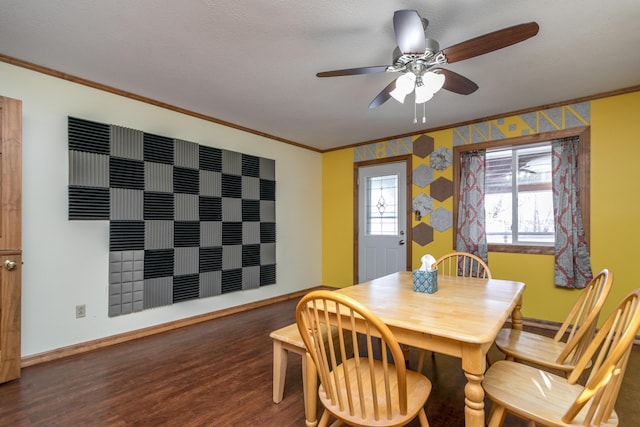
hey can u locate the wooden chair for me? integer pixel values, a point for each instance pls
(462, 264)
(580, 324)
(551, 400)
(361, 390)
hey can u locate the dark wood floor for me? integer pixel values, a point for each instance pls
(216, 373)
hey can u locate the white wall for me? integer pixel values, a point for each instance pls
(66, 262)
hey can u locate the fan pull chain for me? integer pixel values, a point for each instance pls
(415, 113)
(424, 112)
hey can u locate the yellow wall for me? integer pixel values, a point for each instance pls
(337, 218)
(615, 205)
(615, 191)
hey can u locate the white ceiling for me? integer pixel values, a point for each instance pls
(253, 63)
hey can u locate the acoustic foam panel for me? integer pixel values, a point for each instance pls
(187, 221)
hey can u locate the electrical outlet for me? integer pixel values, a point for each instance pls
(81, 311)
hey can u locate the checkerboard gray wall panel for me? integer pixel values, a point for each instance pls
(231, 209)
(158, 177)
(127, 204)
(158, 234)
(187, 207)
(126, 143)
(250, 233)
(210, 284)
(88, 169)
(158, 292)
(231, 162)
(186, 220)
(186, 154)
(267, 211)
(210, 183)
(186, 261)
(88, 136)
(268, 253)
(231, 257)
(251, 277)
(250, 188)
(267, 169)
(210, 233)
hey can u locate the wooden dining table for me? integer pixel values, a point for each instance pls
(461, 319)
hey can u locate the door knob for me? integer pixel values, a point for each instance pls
(401, 242)
(10, 265)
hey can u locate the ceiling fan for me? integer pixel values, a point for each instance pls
(420, 59)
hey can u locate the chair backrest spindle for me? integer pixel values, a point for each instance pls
(462, 264)
(582, 319)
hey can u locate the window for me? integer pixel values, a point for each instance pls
(518, 199)
(518, 196)
(382, 205)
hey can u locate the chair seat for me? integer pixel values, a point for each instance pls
(290, 335)
(418, 385)
(540, 395)
(578, 328)
(532, 348)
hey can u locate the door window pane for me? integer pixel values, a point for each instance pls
(382, 205)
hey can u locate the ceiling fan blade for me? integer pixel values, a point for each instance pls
(457, 83)
(409, 31)
(490, 42)
(383, 96)
(353, 71)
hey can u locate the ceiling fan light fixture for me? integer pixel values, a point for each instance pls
(433, 81)
(398, 95)
(406, 82)
(404, 86)
(423, 94)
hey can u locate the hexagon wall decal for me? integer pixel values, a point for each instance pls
(441, 189)
(423, 146)
(441, 158)
(423, 203)
(422, 234)
(441, 219)
(422, 176)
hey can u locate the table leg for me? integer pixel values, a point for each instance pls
(474, 400)
(474, 365)
(310, 386)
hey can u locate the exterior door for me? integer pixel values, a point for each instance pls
(10, 237)
(382, 240)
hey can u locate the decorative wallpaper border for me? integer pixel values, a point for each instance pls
(432, 163)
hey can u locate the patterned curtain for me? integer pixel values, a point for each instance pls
(471, 235)
(572, 265)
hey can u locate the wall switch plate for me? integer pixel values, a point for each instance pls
(81, 311)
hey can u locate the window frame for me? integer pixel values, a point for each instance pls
(514, 154)
(584, 161)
